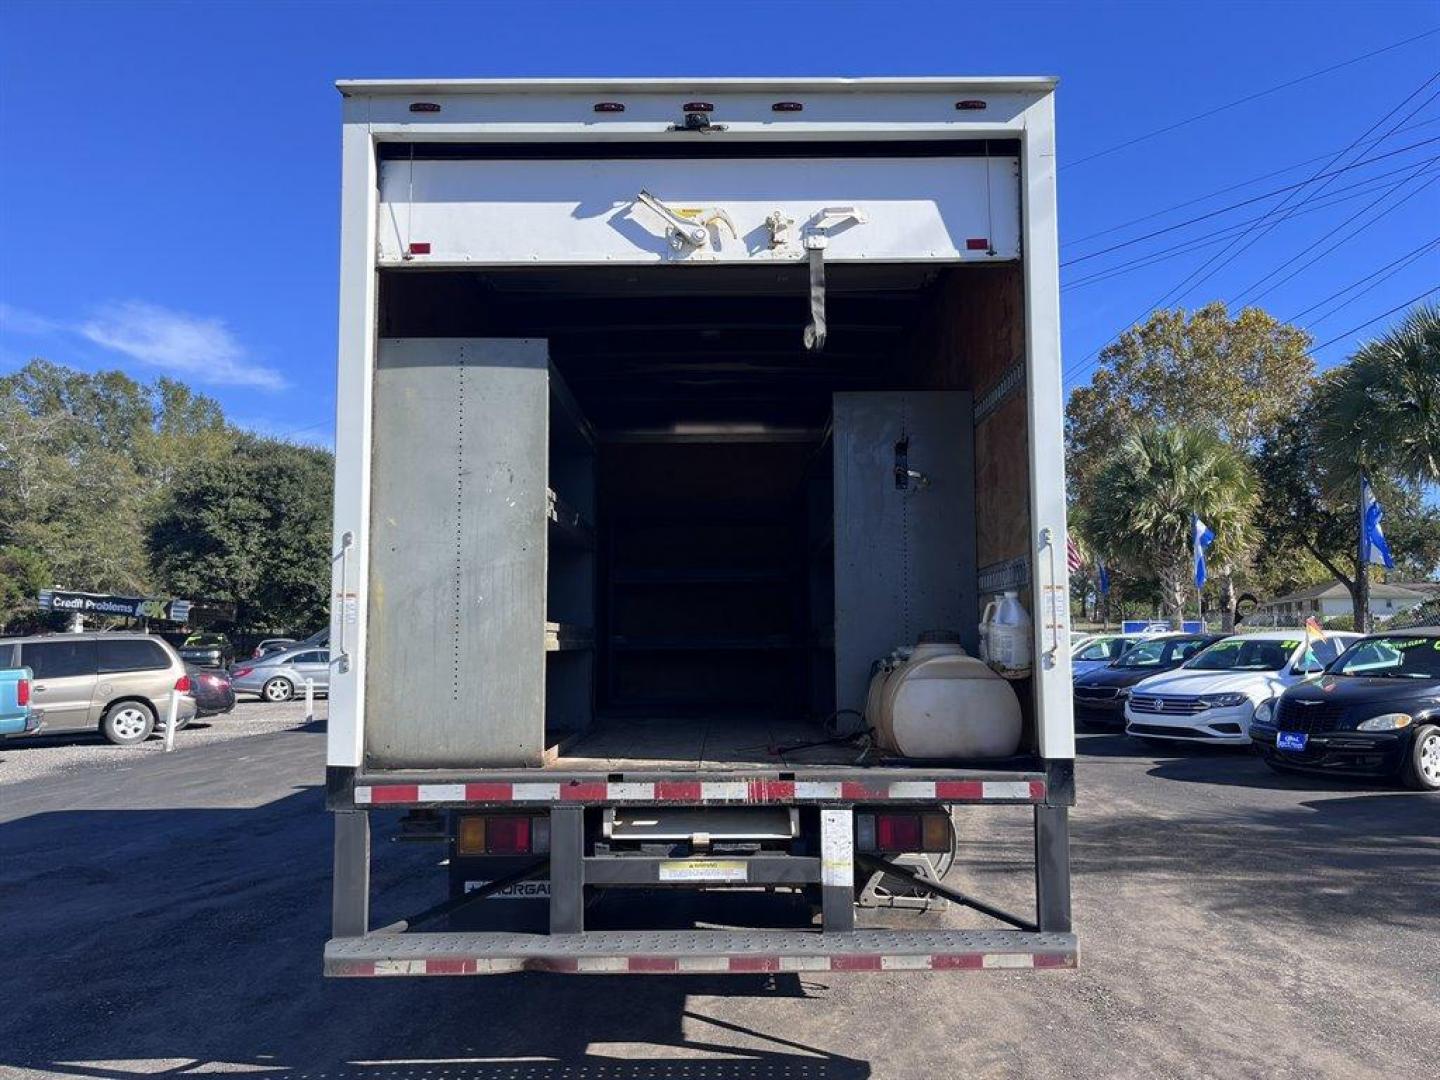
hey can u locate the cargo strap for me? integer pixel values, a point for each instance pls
(815, 331)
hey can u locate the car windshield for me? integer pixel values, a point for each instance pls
(1146, 654)
(1242, 654)
(1392, 658)
(201, 640)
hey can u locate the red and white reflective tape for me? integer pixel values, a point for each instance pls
(692, 965)
(698, 792)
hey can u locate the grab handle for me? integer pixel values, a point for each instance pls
(1049, 609)
(342, 655)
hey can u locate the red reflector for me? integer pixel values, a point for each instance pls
(697, 106)
(424, 106)
(182, 684)
(897, 832)
(22, 692)
(609, 106)
(971, 104)
(977, 243)
(787, 106)
(241, 672)
(507, 835)
(422, 248)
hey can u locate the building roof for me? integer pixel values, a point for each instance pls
(1335, 591)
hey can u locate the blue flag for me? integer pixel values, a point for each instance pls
(1372, 544)
(1201, 537)
(1103, 572)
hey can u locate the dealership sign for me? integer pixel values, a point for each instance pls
(139, 607)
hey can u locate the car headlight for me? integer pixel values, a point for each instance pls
(1264, 712)
(1226, 701)
(1390, 721)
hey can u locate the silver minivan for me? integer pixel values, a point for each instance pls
(117, 683)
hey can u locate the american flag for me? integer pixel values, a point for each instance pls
(1074, 558)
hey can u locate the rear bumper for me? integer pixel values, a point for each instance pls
(697, 951)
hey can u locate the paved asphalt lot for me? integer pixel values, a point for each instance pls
(165, 914)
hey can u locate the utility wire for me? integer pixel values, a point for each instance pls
(1272, 286)
(1358, 191)
(1321, 303)
(1247, 98)
(1332, 232)
(1377, 318)
(1258, 198)
(1244, 184)
(1214, 263)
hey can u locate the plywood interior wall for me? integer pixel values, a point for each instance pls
(972, 335)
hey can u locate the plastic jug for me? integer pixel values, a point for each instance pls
(1006, 634)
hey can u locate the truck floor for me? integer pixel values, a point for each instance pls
(703, 744)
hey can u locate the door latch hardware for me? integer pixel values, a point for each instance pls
(689, 228)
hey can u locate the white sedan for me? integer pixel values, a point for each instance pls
(1212, 697)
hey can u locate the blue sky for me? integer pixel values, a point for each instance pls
(169, 192)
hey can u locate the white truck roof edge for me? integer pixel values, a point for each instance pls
(866, 84)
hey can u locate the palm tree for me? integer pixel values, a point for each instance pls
(1379, 412)
(1148, 491)
(1381, 409)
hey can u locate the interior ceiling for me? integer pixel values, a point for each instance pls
(651, 347)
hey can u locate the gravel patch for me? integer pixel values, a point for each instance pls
(29, 759)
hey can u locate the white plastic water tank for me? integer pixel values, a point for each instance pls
(941, 703)
(1005, 636)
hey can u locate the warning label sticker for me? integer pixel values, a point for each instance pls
(703, 870)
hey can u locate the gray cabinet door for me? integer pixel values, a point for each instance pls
(904, 527)
(456, 584)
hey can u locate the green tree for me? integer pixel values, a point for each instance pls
(1239, 376)
(1378, 414)
(85, 462)
(1381, 409)
(252, 528)
(1145, 496)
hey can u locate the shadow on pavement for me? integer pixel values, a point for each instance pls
(146, 942)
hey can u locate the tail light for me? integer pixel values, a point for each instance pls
(892, 832)
(241, 672)
(182, 684)
(502, 834)
(22, 692)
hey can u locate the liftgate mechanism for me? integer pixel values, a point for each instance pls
(688, 230)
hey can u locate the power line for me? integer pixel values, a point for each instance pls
(1218, 262)
(1339, 243)
(1321, 303)
(1258, 198)
(1377, 318)
(1247, 98)
(1357, 191)
(1244, 184)
(1332, 232)
(1213, 264)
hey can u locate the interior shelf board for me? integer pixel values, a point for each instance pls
(567, 524)
(563, 637)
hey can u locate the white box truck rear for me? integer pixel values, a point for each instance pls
(667, 412)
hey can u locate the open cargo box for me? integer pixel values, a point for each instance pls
(680, 528)
(623, 518)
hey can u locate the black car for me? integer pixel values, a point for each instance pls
(1100, 694)
(208, 650)
(211, 690)
(1375, 712)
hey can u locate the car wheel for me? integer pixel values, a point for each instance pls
(278, 689)
(1422, 767)
(128, 723)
